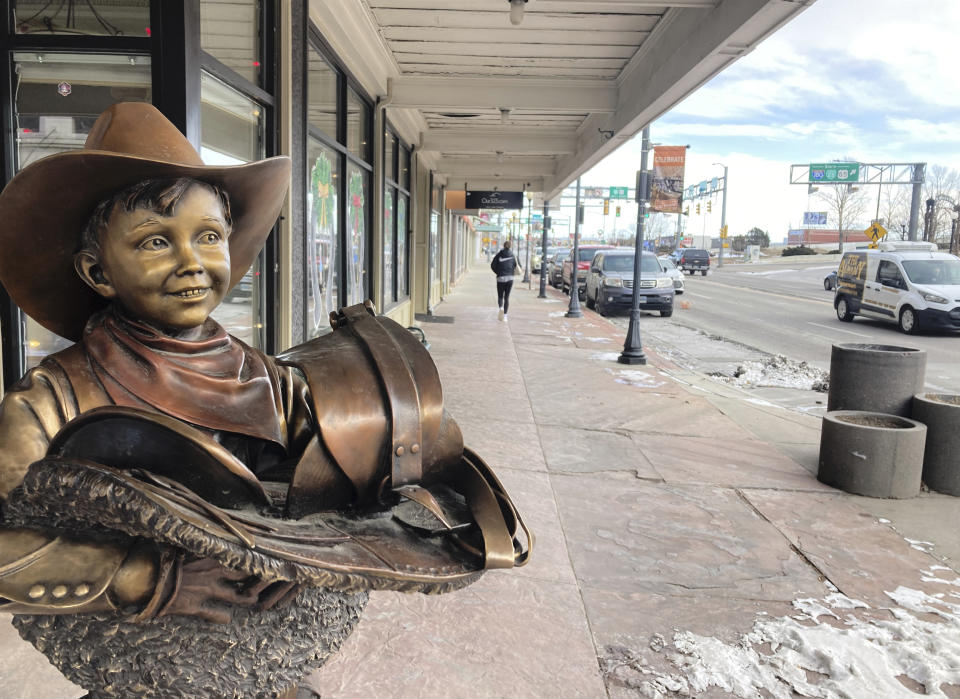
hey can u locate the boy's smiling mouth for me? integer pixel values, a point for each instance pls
(191, 293)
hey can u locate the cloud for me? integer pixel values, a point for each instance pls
(923, 130)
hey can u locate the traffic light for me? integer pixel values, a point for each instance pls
(606, 207)
(698, 209)
(709, 207)
(686, 211)
(618, 211)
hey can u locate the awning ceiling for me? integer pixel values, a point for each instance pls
(491, 104)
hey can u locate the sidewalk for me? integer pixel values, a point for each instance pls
(672, 515)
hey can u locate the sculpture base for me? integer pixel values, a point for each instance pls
(260, 654)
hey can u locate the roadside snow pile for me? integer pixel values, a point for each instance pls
(795, 655)
(779, 372)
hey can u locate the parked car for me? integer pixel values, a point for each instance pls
(694, 260)
(610, 283)
(830, 281)
(586, 253)
(537, 259)
(555, 268)
(670, 267)
(908, 283)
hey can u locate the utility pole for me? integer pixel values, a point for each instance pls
(723, 216)
(633, 347)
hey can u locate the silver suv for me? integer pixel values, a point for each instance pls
(610, 283)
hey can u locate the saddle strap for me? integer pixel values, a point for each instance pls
(403, 398)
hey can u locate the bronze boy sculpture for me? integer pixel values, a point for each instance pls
(161, 476)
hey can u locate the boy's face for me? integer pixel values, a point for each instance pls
(170, 271)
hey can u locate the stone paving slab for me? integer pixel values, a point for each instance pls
(570, 450)
(25, 673)
(732, 462)
(631, 537)
(505, 636)
(860, 555)
(504, 444)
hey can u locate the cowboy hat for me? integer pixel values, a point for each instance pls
(46, 205)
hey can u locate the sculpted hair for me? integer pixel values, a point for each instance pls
(160, 196)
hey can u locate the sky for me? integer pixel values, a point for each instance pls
(872, 80)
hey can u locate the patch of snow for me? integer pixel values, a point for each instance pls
(779, 372)
(605, 356)
(557, 314)
(636, 377)
(596, 339)
(883, 521)
(860, 659)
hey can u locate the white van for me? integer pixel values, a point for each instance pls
(907, 283)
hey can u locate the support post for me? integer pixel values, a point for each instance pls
(526, 269)
(543, 251)
(918, 176)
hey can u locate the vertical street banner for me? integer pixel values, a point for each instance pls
(666, 192)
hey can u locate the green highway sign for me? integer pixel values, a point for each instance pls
(834, 172)
(618, 192)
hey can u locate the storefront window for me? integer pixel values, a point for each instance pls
(58, 97)
(323, 251)
(358, 119)
(402, 284)
(388, 232)
(232, 133)
(322, 101)
(358, 196)
(403, 178)
(92, 18)
(389, 147)
(230, 32)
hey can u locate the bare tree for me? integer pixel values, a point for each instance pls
(943, 186)
(846, 205)
(894, 210)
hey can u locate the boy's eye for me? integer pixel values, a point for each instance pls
(210, 238)
(155, 243)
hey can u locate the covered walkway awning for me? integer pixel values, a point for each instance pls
(534, 105)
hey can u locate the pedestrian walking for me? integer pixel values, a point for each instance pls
(506, 266)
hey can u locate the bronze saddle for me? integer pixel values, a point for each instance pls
(385, 496)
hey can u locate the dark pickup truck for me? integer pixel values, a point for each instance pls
(693, 260)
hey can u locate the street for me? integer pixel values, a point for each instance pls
(782, 308)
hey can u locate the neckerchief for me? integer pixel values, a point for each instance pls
(217, 382)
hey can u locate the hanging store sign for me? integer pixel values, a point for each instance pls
(494, 200)
(667, 189)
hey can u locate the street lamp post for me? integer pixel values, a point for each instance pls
(526, 269)
(723, 215)
(543, 251)
(573, 311)
(632, 346)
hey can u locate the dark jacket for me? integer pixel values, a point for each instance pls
(505, 263)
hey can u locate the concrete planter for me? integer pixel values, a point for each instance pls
(940, 412)
(872, 454)
(876, 378)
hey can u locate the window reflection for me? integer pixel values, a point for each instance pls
(323, 252)
(402, 288)
(388, 296)
(357, 198)
(91, 17)
(58, 97)
(230, 32)
(232, 133)
(358, 119)
(321, 94)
